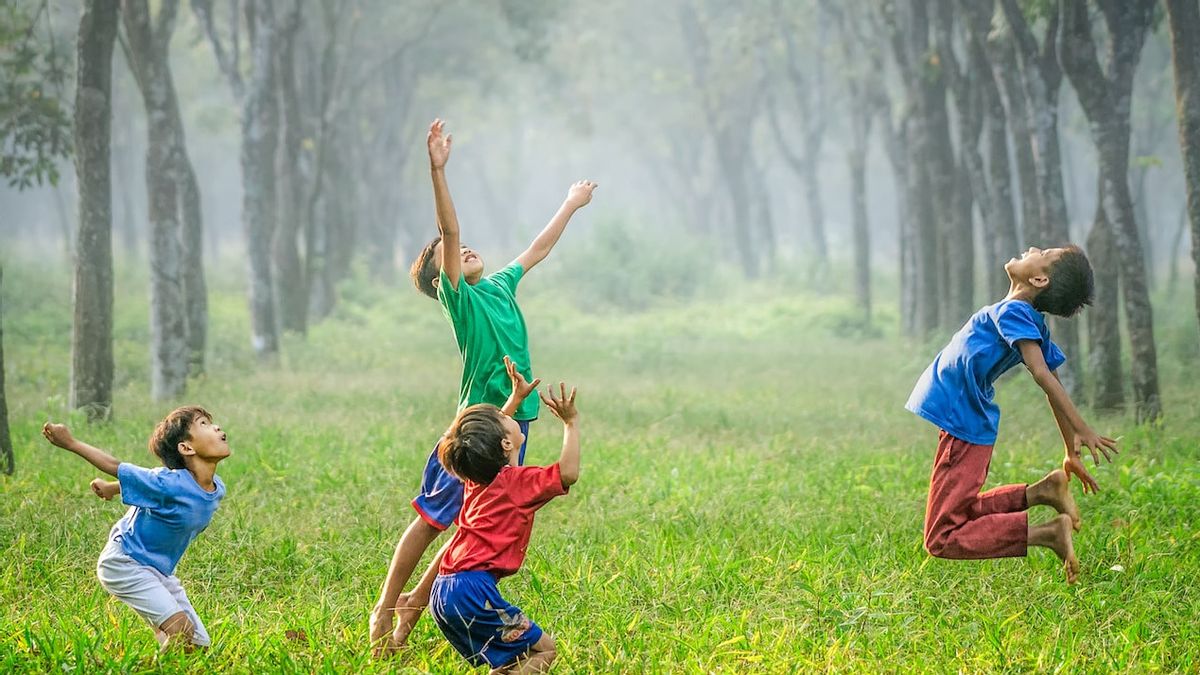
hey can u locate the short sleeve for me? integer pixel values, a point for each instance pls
(1054, 356)
(454, 300)
(533, 486)
(141, 487)
(1018, 321)
(509, 277)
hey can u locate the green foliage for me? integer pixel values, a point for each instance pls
(35, 128)
(751, 498)
(618, 266)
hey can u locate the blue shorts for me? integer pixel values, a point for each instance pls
(441, 495)
(481, 625)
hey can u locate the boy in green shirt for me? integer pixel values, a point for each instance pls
(490, 331)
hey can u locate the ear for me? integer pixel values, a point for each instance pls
(1039, 280)
(435, 282)
(506, 444)
(185, 449)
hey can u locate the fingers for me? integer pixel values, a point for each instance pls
(534, 385)
(572, 399)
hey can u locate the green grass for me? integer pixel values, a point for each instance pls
(751, 498)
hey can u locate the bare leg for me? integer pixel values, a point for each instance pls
(1055, 490)
(178, 630)
(409, 549)
(1055, 534)
(538, 660)
(410, 605)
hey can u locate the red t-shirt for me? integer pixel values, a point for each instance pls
(497, 519)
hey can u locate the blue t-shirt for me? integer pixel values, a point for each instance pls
(167, 509)
(955, 391)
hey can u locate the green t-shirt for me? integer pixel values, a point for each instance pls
(488, 326)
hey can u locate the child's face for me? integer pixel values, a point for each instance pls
(512, 434)
(207, 440)
(472, 263)
(1033, 267)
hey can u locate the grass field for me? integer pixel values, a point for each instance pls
(751, 498)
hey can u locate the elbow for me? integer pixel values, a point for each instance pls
(569, 477)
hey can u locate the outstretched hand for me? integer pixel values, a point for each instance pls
(58, 434)
(521, 388)
(563, 406)
(1073, 465)
(1096, 443)
(105, 489)
(439, 144)
(580, 193)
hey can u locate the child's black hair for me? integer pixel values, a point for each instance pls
(472, 448)
(173, 430)
(425, 269)
(1071, 285)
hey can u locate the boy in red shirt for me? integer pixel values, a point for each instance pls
(499, 499)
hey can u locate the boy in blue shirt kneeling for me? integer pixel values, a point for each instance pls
(168, 507)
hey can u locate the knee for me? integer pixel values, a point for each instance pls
(935, 545)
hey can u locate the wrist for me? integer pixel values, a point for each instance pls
(433, 168)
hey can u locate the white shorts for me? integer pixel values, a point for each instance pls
(152, 594)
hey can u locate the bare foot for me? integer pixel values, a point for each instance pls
(104, 489)
(380, 626)
(406, 619)
(1056, 535)
(1055, 490)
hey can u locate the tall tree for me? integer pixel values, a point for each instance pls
(91, 340)
(6, 449)
(1041, 81)
(805, 75)
(260, 120)
(290, 287)
(1185, 57)
(1104, 328)
(1105, 93)
(149, 40)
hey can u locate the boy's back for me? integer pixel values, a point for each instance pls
(955, 391)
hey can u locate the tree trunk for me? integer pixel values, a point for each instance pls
(895, 137)
(91, 341)
(1003, 57)
(168, 323)
(260, 121)
(195, 288)
(289, 283)
(1185, 56)
(856, 161)
(6, 449)
(1105, 98)
(1104, 328)
(1041, 80)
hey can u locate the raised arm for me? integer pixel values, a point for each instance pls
(563, 408)
(60, 435)
(447, 220)
(521, 388)
(1077, 432)
(578, 196)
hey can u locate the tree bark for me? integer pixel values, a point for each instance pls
(91, 341)
(1185, 57)
(150, 62)
(260, 120)
(1104, 328)
(1003, 57)
(1041, 81)
(289, 283)
(6, 449)
(1105, 98)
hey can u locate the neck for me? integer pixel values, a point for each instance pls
(203, 471)
(1019, 290)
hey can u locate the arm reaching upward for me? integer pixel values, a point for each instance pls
(447, 220)
(1076, 433)
(60, 435)
(578, 196)
(521, 388)
(563, 408)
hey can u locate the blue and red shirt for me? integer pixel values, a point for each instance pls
(497, 519)
(955, 391)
